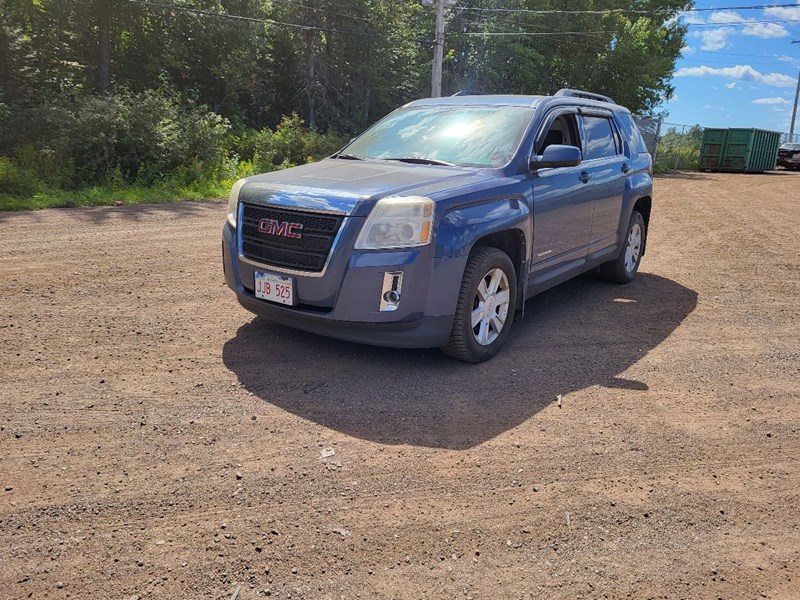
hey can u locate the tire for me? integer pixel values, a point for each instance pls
(624, 268)
(494, 269)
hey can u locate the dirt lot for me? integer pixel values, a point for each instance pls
(157, 441)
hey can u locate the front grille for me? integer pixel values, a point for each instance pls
(308, 253)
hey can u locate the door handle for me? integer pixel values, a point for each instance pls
(625, 167)
(585, 176)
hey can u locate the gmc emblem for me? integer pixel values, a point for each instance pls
(282, 228)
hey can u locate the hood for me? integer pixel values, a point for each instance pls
(353, 186)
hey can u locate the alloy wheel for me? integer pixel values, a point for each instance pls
(634, 247)
(490, 307)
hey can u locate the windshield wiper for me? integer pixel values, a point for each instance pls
(423, 161)
(346, 156)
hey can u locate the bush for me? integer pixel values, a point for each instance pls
(679, 150)
(81, 150)
(17, 181)
(289, 145)
(142, 137)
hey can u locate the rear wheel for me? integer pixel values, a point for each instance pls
(624, 268)
(486, 304)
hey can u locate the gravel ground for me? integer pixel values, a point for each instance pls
(157, 441)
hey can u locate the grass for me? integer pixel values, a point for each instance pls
(109, 196)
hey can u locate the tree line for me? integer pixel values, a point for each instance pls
(215, 73)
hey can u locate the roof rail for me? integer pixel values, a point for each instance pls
(584, 95)
(467, 93)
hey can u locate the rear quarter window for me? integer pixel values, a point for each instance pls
(631, 132)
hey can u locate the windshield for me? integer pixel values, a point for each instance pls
(479, 136)
(790, 147)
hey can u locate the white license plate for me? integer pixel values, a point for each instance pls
(274, 288)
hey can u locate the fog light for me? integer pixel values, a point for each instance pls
(390, 293)
(392, 297)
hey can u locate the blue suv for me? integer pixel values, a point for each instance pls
(433, 227)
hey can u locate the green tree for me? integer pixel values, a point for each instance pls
(629, 56)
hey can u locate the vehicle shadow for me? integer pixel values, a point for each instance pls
(582, 333)
(683, 174)
(99, 215)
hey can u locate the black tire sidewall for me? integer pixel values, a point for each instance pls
(636, 217)
(497, 259)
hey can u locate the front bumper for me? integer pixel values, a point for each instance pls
(789, 163)
(344, 302)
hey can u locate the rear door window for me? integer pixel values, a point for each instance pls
(601, 140)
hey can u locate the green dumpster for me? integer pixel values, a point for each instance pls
(739, 150)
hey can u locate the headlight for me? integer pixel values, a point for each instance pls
(233, 201)
(397, 223)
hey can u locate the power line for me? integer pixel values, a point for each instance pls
(731, 62)
(535, 33)
(519, 12)
(209, 13)
(736, 23)
(623, 10)
(509, 21)
(738, 54)
(538, 29)
(325, 10)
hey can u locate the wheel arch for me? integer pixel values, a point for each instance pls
(510, 241)
(502, 223)
(644, 206)
(513, 243)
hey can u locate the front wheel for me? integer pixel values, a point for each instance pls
(624, 268)
(485, 309)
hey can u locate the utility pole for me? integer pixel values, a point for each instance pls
(103, 9)
(438, 51)
(794, 109)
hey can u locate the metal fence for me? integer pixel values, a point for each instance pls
(650, 127)
(785, 138)
(677, 146)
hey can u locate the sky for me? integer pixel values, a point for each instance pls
(735, 72)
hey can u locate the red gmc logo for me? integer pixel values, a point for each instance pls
(282, 228)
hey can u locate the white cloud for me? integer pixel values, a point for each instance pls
(690, 18)
(760, 30)
(710, 107)
(784, 12)
(715, 39)
(785, 58)
(725, 16)
(769, 101)
(765, 30)
(730, 85)
(739, 73)
(687, 49)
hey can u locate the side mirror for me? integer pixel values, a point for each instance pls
(557, 156)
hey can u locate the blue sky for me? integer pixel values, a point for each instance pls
(735, 72)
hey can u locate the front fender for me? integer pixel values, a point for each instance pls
(461, 227)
